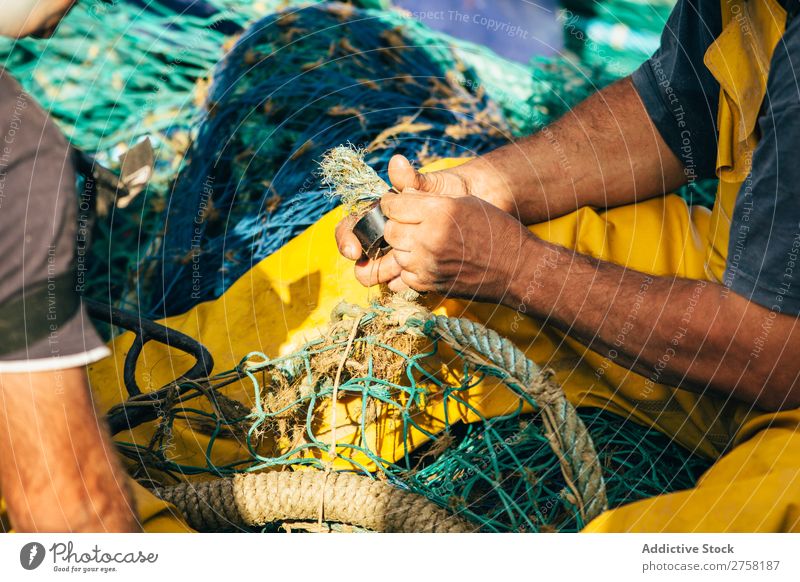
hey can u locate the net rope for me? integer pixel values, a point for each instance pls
(535, 468)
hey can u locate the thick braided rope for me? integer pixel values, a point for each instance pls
(276, 497)
(563, 427)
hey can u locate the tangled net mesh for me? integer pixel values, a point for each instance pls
(391, 392)
(411, 411)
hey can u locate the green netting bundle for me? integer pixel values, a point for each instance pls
(437, 406)
(617, 35)
(613, 46)
(641, 15)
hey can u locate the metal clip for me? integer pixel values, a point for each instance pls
(369, 232)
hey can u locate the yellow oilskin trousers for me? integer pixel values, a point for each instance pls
(277, 305)
(756, 486)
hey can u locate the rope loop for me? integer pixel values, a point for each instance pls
(260, 498)
(568, 436)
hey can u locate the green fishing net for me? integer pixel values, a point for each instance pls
(410, 411)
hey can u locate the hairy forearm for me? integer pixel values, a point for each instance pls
(58, 469)
(688, 333)
(606, 152)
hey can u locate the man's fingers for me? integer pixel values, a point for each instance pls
(396, 285)
(400, 236)
(382, 270)
(409, 208)
(347, 242)
(403, 176)
(404, 259)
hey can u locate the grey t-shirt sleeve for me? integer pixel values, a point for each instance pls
(680, 94)
(764, 249)
(38, 235)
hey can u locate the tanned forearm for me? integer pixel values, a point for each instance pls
(606, 152)
(58, 469)
(688, 333)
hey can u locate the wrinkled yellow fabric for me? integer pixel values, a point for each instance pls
(739, 60)
(756, 486)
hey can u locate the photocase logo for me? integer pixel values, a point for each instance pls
(31, 555)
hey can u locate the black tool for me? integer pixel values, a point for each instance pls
(141, 407)
(369, 232)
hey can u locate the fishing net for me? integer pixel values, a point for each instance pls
(641, 15)
(617, 35)
(395, 393)
(114, 74)
(437, 406)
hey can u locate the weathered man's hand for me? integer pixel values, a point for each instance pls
(456, 183)
(403, 177)
(459, 246)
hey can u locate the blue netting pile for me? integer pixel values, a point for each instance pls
(293, 86)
